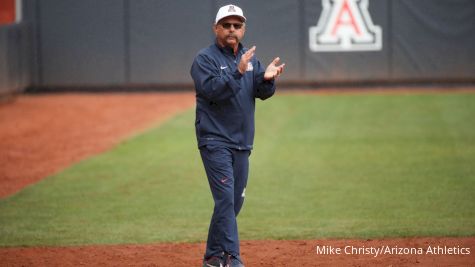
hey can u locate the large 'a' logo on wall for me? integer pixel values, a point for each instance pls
(345, 25)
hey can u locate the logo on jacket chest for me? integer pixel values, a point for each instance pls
(249, 67)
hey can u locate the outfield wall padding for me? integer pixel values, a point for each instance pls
(14, 58)
(17, 53)
(152, 42)
(433, 39)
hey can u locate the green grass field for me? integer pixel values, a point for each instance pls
(344, 166)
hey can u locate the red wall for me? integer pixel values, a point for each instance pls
(7, 11)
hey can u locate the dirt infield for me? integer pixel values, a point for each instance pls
(268, 253)
(42, 134)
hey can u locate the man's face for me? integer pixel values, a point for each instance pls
(229, 31)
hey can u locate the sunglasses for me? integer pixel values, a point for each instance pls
(236, 26)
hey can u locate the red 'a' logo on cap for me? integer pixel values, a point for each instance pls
(231, 9)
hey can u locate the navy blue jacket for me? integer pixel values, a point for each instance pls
(225, 99)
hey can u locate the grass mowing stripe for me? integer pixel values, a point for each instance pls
(323, 166)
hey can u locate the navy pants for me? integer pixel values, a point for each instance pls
(227, 170)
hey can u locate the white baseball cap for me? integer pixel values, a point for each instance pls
(229, 10)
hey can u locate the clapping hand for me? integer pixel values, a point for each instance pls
(245, 59)
(273, 70)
